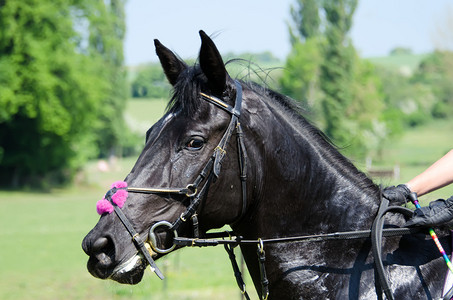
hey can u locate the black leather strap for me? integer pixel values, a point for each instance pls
(137, 240)
(237, 273)
(376, 242)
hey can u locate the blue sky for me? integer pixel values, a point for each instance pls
(261, 25)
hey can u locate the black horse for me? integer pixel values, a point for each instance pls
(280, 178)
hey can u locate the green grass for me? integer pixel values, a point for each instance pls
(416, 150)
(142, 113)
(41, 255)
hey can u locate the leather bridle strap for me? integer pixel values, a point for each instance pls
(242, 152)
(212, 168)
(218, 238)
(219, 151)
(187, 191)
(243, 168)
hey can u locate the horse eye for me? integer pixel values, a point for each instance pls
(195, 143)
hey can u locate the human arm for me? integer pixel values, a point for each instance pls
(436, 176)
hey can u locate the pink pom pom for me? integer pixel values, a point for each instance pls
(119, 184)
(103, 206)
(119, 197)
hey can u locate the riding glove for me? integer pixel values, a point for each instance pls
(439, 212)
(396, 194)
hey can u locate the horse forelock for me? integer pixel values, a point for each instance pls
(185, 99)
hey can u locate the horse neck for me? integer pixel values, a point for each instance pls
(304, 185)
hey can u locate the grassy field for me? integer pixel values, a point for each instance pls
(416, 150)
(41, 255)
(142, 113)
(41, 233)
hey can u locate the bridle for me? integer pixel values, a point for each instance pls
(197, 190)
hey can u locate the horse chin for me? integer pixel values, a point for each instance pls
(131, 271)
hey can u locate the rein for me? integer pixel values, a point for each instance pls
(376, 234)
(218, 238)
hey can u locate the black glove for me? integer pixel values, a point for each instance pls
(396, 194)
(439, 212)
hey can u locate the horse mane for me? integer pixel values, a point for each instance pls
(331, 152)
(185, 100)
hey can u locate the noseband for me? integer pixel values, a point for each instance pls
(194, 191)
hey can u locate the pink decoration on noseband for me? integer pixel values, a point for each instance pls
(119, 198)
(119, 184)
(104, 206)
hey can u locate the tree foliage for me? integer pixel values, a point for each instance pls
(306, 20)
(359, 105)
(107, 29)
(300, 77)
(150, 82)
(337, 69)
(436, 71)
(61, 85)
(325, 73)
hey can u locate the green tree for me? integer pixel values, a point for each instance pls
(368, 129)
(436, 72)
(150, 82)
(337, 69)
(306, 20)
(53, 86)
(106, 35)
(300, 77)
(400, 51)
(324, 71)
(395, 87)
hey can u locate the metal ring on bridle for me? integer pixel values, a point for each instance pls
(191, 190)
(153, 239)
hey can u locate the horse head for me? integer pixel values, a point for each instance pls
(172, 181)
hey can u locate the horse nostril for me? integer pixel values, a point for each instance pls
(100, 244)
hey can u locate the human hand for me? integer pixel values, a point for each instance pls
(439, 212)
(396, 194)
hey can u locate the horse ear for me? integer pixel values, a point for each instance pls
(171, 64)
(212, 65)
